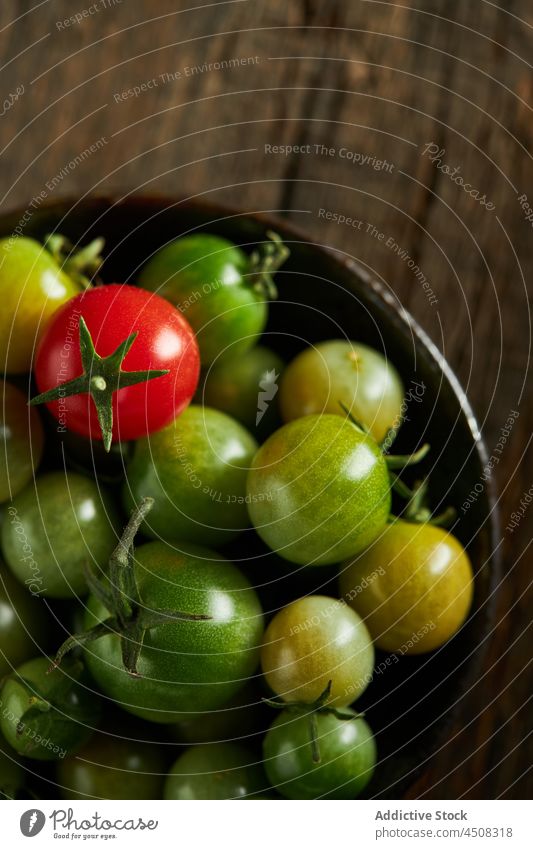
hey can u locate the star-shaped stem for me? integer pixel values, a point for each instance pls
(101, 377)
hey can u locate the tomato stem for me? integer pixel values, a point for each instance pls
(129, 619)
(400, 461)
(81, 265)
(264, 262)
(320, 705)
(417, 510)
(101, 377)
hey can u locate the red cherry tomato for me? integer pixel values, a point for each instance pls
(164, 341)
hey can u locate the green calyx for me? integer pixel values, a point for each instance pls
(50, 709)
(129, 619)
(81, 265)
(416, 510)
(263, 264)
(393, 461)
(101, 377)
(313, 709)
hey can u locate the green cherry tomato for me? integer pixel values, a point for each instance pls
(318, 490)
(321, 377)
(53, 527)
(12, 774)
(110, 767)
(313, 641)
(220, 290)
(32, 286)
(23, 624)
(413, 587)
(215, 771)
(21, 442)
(45, 715)
(234, 721)
(195, 469)
(246, 387)
(184, 666)
(347, 755)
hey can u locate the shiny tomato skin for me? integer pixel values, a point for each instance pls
(165, 340)
(318, 490)
(347, 755)
(184, 667)
(313, 641)
(32, 287)
(413, 587)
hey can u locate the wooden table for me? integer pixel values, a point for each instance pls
(413, 120)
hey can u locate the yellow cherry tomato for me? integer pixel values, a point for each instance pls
(32, 286)
(413, 587)
(315, 640)
(348, 372)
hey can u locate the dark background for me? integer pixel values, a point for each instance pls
(379, 79)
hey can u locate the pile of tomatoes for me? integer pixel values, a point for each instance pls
(150, 444)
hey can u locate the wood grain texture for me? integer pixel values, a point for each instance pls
(375, 78)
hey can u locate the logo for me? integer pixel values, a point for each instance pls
(269, 387)
(32, 822)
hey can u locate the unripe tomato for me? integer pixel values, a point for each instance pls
(53, 527)
(215, 771)
(347, 755)
(413, 587)
(21, 442)
(32, 286)
(349, 372)
(195, 469)
(313, 641)
(318, 490)
(184, 666)
(113, 768)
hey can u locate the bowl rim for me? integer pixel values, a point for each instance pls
(162, 201)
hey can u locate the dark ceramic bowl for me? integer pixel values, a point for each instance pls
(415, 701)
